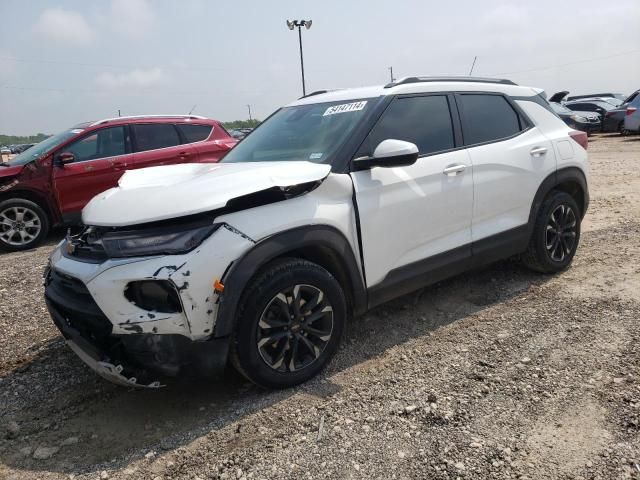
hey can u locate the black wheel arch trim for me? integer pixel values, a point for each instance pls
(243, 269)
(564, 175)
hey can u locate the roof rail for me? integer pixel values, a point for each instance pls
(408, 80)
(133, 117)
(318, 92)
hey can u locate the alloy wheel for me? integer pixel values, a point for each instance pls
(19, 226)
(295, 328)
(560, 235)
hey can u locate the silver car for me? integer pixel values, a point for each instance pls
(632, 116)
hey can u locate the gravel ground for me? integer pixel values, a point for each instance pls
(498, 373)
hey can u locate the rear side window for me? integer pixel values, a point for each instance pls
(425, 121)
(108, 142)
(155, 135)
(194, 133)
(487, 118)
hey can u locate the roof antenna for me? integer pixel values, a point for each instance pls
(473, 65)
(192, 109)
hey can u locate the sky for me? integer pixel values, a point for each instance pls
(68, 61)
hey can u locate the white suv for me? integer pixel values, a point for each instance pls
(337, 203)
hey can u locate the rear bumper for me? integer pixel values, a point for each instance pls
(134, 360)
(632, 123)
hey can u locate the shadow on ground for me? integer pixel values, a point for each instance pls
(55, 397)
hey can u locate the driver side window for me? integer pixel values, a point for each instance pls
(423, 120)
(108, 142)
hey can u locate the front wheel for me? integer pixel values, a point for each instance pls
(556, 234)
(23, 225)
(290, 323)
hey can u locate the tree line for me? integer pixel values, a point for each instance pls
(19, 140)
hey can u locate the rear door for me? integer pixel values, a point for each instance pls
(159, 144)
(408, 214)
(511, 157)
(201, 138)
(101, 157)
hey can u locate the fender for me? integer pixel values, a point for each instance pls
(569, 174)
(242, 270)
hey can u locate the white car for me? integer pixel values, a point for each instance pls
(338, 202)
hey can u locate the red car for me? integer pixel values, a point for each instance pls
(50, 183)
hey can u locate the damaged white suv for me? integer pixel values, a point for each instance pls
(337, 203)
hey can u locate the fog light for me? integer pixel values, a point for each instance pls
(154, 295)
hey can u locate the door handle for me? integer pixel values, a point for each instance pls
(538, 151)
(453, 170)
(120, 166)
(184, 154)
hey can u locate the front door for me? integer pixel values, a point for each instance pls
(410, 214)
(100, 159)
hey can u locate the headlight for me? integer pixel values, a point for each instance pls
(578, 118)
(165, 241)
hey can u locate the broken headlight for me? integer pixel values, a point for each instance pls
(165, 241)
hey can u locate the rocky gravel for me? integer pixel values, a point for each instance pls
(499, 374)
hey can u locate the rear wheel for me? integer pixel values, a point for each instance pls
(23, 225)
(555, 235)
(290, 322)
(623, 131)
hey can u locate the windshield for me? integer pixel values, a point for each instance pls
(304, 132)
(43, 147)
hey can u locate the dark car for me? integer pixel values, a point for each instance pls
(584, 121)
(614, 98)
(52, 181)
(594, 106)
(613, 120)
(23, 147)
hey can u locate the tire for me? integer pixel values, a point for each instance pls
(23, 225)
(623, 131)
(556, 234)
(268, 312)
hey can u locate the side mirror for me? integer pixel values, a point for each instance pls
(64, 158)
(389, 153)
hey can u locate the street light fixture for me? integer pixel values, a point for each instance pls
(306, 24)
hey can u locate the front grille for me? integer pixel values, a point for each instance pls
(77, 309)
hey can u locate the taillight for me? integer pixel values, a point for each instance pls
(580, 138)
(630, 110)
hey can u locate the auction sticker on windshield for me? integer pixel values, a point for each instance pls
(345, 107)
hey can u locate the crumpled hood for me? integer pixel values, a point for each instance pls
(8, 172)
(160, 193)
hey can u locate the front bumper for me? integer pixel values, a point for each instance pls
(135, 360)
(125, 343)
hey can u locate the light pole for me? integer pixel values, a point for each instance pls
(300, 23)
(249, 107)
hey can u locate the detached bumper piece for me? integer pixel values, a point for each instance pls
(130, 360)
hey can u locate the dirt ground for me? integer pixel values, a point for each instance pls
(498, 373)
